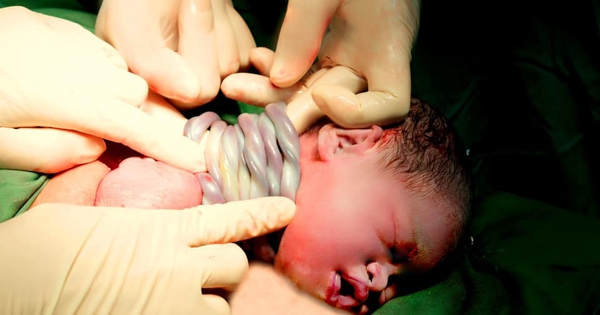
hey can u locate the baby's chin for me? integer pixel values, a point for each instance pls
(140, 182)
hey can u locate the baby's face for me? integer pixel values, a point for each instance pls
(353, 229)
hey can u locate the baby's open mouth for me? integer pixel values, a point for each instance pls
(345, 292)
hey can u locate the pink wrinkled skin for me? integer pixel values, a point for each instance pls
(145, 183)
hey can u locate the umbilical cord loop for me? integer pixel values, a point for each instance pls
(257, 157)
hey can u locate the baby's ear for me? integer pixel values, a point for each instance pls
(339, 140)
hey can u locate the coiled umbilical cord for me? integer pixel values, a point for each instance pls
(257, 157)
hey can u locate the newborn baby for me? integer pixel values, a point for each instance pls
(373, 205)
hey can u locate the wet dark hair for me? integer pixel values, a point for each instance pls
(424, 150)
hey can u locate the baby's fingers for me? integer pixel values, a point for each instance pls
(47, 150)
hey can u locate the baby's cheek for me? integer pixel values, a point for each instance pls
(145, 183)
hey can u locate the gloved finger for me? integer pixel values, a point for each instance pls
(181, 289)
(262, 59)
(197, 47)
(55, 150)
(191, 302)
(386, 102)
(119, 122)
(182, 295)
(359, 111)
(227, 48)
(164, 114)
(131, 89)
(302, 31)
(150, 57)
(243, 35)
(216, 304)
(235, 221)
(256, 89)
(166, 72)
(304, 112)
(219, 265)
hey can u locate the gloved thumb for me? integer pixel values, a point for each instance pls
(235, 221)
(214, 261)
(302, 31)
(167, 73)
(55, 150)
(362, 110)
(304, 111)
(184, 300)
(387, 100)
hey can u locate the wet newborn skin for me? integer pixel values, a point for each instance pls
(355, 225)
(142, 182)
(123, 178)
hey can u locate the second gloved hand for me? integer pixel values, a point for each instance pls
(372, 38)
(68, 259)
(181, 47)
(353, 38)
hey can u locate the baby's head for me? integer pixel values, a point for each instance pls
(375, 205)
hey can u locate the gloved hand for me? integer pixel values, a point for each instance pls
(265, 291)
(257, 89)
(68, 259)
(56, 74)
(181, 47)
(370, 39)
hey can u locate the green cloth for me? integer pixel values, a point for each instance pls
(18, 190)
(520, 81)
(527, 258)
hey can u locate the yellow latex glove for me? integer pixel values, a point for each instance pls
(68, 259)
(371, 39)
(181, 47)
(265, 291)
(257, 89)
(56, 74)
